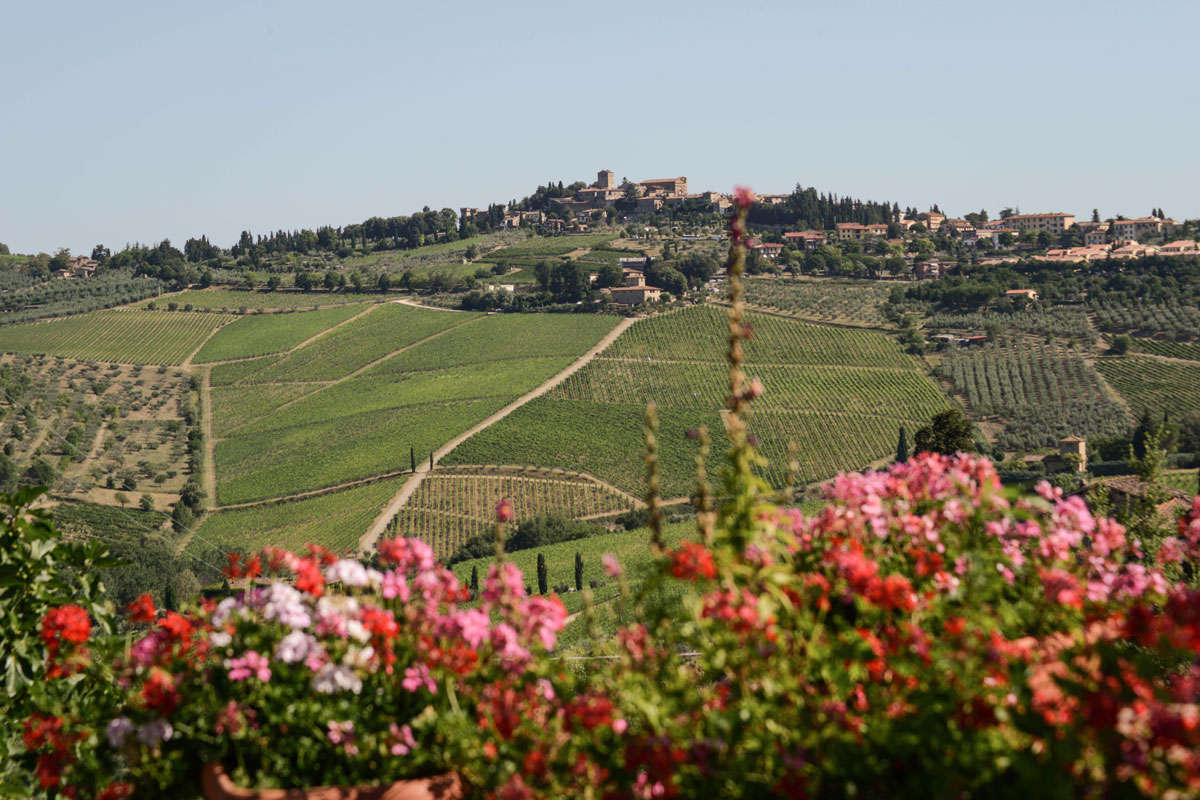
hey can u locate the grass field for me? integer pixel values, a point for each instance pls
(336, 520)
(452, 505)
(1154, 384)
(414, 401)
(270, 333)
(130, 336)
(234, 299)
(839, 394)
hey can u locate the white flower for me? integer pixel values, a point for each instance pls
(286, 605)
(118, 731)
(155, 732)
(296, 646)
(359, 657)
(337, 606)
(220, 639)
(224, 609)
(374, 578)
(335, 678)
(356, 630)
(347, 572)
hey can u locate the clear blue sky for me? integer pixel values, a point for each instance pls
(124, 122)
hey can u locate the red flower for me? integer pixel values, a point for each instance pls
(67, 623)
(504, 510)
(592, 711)
(743, 197)
(693, 561)
(159, 692)
(177, 627)
(309, 578)
(116, 791)
(142, 609)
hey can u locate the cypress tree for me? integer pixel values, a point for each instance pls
(542, 578)
(578, 572)
(431, 462)
(474, 581)
(412, 457)
(902, 447)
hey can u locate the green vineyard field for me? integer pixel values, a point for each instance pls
(450, 506)
(270, 333)
(1154, 384)
(129, 336)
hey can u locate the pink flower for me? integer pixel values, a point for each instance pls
(503, 582)
(395, 586)
(473, 626)
(504, 510)
(611, 565)
(619, 726)
(342, 733)
(743, 196)
(251, 664)
(418, 677)
(402, 740)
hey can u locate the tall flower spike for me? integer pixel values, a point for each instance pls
(653, 499)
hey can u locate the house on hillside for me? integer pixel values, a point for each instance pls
(767, 249)
(805, 240)
(846, 231)
(1179, 247)
(1071, 456)
(1124, 490)
(635, 295)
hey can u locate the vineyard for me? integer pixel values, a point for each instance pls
(130, 336)
(1154, 384)
(1069, 323)
(383, 330)
(842, 302)
(1180, 322)
(450, 506)
(335, 520)
(83, 427)
(1185, 350)
(403, 408)
(1044, 391)
(270, 333)
(246, 300)
(531, 251)
(700, 333)
(839, 394)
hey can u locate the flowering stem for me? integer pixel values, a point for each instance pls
(653, 499)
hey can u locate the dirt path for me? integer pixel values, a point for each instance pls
(206, 427)
(187, 362)
(408, 301)
(355, 374)
(305, 343)
(368, 540)
(337, 487)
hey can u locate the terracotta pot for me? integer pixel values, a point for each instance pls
(217, 785)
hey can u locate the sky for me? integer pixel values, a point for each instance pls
(129, 122)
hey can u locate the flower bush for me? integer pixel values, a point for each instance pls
(324, 671)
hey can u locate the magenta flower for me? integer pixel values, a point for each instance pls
(611, 565)
(473, 626)
(743, 196)
(250, 664)
(418, 677)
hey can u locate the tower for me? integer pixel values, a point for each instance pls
(606, 179)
